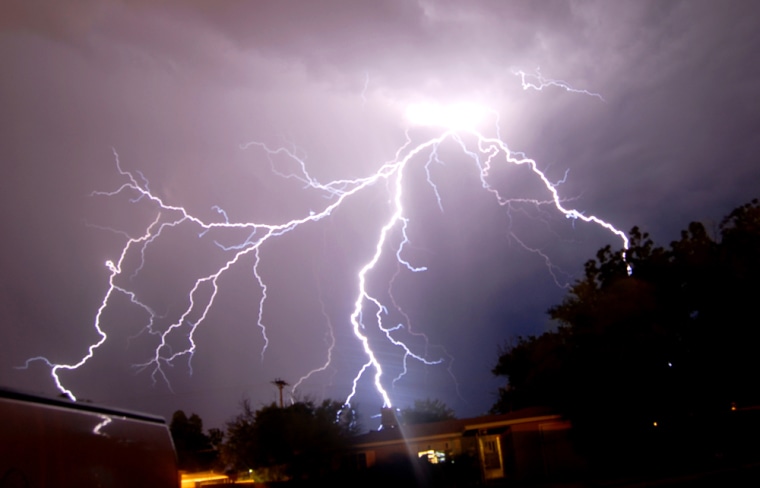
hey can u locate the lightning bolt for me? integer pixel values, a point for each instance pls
(408, 321)
(537, 81)
(329, 342)
(369, 313)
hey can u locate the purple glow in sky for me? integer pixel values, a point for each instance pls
(304, 119)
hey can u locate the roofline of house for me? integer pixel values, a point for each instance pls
(466, 427)
(504, 423)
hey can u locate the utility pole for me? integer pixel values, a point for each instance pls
(280, 384)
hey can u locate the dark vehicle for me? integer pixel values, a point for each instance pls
(54, 442)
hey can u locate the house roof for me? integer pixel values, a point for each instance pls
(450, 428)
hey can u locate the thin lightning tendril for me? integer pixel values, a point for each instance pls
(448, 358)
(485, 153)
(536, 81)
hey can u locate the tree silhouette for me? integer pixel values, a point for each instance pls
(194, 451)
(426, 411)
(671, 344)
(299, 441)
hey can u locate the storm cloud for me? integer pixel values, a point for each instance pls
(178, 88)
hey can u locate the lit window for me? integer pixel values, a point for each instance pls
(432, 456)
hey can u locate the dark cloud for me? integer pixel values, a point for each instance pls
(176, 88)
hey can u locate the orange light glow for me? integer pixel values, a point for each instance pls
(190, 480)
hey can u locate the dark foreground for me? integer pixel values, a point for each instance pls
(728, 476)
(741, 476)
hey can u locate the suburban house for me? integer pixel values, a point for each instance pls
(530, 444)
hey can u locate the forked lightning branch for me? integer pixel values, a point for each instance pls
(459, 124)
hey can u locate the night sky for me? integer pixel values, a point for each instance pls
(190, 95)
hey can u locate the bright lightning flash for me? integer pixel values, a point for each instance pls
(457, 116)
(459, 124)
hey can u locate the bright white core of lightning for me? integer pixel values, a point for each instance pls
(453, 116)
